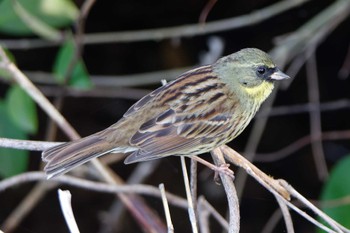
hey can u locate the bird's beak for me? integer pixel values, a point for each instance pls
(278, 75)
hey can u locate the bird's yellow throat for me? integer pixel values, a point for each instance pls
(260, 92)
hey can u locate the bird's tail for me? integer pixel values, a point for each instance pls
(64, 157)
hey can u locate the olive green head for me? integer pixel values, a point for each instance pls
(249, 72)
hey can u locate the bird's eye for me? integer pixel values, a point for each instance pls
(261, 70)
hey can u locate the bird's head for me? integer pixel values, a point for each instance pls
(249, 72)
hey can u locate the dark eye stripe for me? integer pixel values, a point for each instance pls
(265, 75)
(269, 72)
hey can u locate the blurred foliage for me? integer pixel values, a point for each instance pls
(22, 110)
(18, 114)
(79, 76)
(337, 187)
(55, 13)
(12, 161)
(18, 118)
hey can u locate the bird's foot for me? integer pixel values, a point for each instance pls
(223, 169)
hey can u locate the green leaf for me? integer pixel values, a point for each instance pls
(338, 186)
(21, 109)
(55, 13)
(12, 162)
(79, 77)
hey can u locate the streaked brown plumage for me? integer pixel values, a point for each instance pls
(204, 108)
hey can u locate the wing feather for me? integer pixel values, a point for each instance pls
(194, 116)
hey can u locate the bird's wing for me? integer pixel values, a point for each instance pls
(157, 138)
(196, 117)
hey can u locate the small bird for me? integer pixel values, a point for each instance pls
(202, 109)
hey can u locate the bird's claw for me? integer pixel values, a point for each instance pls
(223, 169)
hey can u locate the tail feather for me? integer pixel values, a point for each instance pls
(64, 157)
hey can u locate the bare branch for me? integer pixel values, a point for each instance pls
(26, 144)
(309, 35)
(169, 32)
(91, 185)
(105, 173)
(36, 95)
(285, 211)
(315, 117)
(231, 194)
(204, 210)
(281, 189)
(65, 198)
(191, 211)
(336, 226)
(298, 144)
(166, 209)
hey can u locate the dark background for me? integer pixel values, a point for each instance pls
(89, 115)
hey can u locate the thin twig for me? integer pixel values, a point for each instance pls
(305, 108)
(78, 39)
(152, 223)
(36, 95)
(237, 159)
(231, 194)
(336, 226)
(309, 35)
(312, 33)
(104, 86)
(253, 142)
(193, 184)
(78, 51)
(298, 144)
(147, 218)
(276, 216)
(255, 17)
(191, 211)
(91, 185)
(51, 126)
(166, 209)
(204, 205)
(306, 216)
(271, 185)
(33, 195)
(113, 218)
(272, 222)
(116, 81)
(203, 217)
(260, 157)
(311, 219)
(125, 93)
(204, 14)
(65, 198)
(26, 144)
(282, 189)
(286, 214)
(315, 117)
